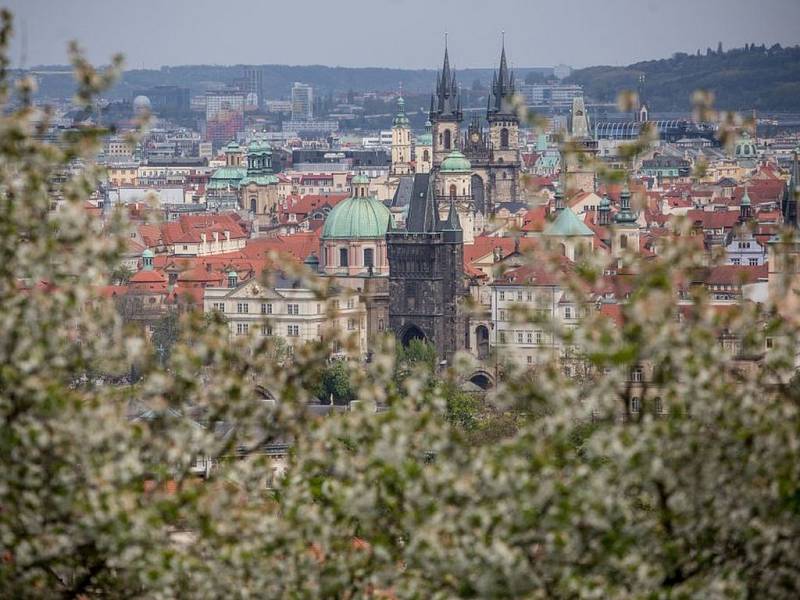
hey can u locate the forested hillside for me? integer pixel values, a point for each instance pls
(741, 79)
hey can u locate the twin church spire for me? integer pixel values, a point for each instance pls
(446, 102)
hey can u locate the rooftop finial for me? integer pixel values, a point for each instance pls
(503, 34)
(445, 40)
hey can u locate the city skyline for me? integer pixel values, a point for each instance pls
(151, 34)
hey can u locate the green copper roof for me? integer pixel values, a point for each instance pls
(232, 147)
(357, 218)
(746, 198)
(147, 253)
(401, 120)
(259, 147)
(360, 180)
(455, 163)
(625, 216)
(229, 173)
(567, 224)
(425, 139)
(258, 180)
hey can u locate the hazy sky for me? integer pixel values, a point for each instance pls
(392, 33)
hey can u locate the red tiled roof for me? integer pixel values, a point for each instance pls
(718, 219)
(148, 277)
(733, 274)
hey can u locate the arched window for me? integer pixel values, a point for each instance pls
(504, 138)
(623, 241)
(447, 139)
(426, 157)
(453, 192)
(563, 248)
(343, 257)
(252, 205)
(369, 257)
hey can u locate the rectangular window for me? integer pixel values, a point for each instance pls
(530, 360)
(753, 262)
(530, 337)
(502, 295)
(350, 303)
(567, 313)
(343, 257)
(266, 309)
(242, 328)
(502, 315)
(519, 337)
(266, 330)
(242, 308)
(351, 324)
(502, 335)
(530, 296)
(519, 296)
(293, 330)
(369, 257)
(293, 309)
(769, 342)
(637, 374)
(634, 404)
(220, 306)
(736, 261)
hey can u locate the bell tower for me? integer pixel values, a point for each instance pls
(505, 161)
(401, 141)
(445, 113)
(502, 115)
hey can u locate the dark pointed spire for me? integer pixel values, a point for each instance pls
(446, 91)
(453, 223)
(503, 77)
(502, 90)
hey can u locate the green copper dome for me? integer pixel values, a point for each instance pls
(360, 180)
(259, 147)
(357, 218)
(400, 120)
(424, 139)
(455, 163)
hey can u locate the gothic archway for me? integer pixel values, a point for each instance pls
(411, 332)
(504, 138)
(447, 139)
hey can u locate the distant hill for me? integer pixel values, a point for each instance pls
(57, 81)
(754, 77)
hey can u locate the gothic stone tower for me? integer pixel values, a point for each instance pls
(504, 134)
(445, 114)
(426, 274)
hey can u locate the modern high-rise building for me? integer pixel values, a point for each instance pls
(302, 102)
(254, 86)
(224, 116)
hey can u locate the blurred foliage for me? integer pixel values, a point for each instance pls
(551, 487)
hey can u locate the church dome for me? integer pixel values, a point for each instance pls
(455, 163)
(141, 104)
(357, 218)
(745, 147)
